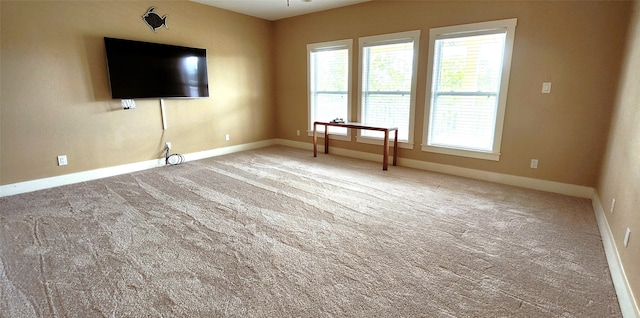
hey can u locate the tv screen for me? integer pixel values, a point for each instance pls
(152, 70)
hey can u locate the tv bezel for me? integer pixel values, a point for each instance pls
(165, 49)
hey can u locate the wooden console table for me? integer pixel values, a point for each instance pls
(386, 130)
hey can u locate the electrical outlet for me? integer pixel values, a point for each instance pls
(534, 164)
(626, 237)
(226, 137)
(298, 132)
(613, 205)
(62, 160)
(546, 87)
(168, 145)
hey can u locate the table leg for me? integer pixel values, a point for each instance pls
(395, 148)
(385, 151)
(326, 139)
(315, 140)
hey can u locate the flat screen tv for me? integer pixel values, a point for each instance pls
(152, 70)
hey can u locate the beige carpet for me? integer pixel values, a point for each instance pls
(277, 233)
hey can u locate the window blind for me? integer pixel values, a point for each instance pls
(386, 87)
(329, 84)
(466, 84)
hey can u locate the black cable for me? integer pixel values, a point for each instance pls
(180, 159)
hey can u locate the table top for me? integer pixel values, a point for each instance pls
(351, 124)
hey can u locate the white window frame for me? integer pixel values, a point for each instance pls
(506, 25)
(322, 46)
(391, 38)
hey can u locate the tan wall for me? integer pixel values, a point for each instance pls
(620, 178)
(55, 96)
(575, 45)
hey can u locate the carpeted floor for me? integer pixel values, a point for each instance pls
(277, 233)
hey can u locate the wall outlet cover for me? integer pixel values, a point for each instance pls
(62, 160)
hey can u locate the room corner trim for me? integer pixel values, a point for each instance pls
(628, 304)
(51, 182)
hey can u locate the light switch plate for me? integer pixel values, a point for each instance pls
(546, 87)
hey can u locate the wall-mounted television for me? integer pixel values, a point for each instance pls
(152, 70)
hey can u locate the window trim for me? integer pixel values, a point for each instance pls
(326, 46)
(382, 39)
(472, 29)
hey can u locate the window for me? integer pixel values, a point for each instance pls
(329, 82)
(469, 79)
(388, 84)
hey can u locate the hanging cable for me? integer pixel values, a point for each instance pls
(174, 159)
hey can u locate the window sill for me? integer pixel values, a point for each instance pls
(380, 141)
(463, 152)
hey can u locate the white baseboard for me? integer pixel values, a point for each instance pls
(51, 182)
(45, 183)
(228, 150)
(543, 185)
(628, 304)
(524, 182)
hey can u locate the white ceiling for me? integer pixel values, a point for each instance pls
(278, 9)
